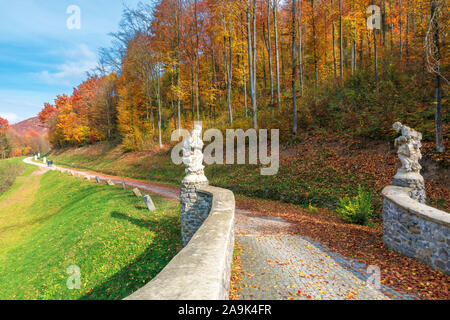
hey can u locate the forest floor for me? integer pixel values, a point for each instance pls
(373, 166)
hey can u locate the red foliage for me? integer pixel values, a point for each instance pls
(93, 139)
(4, 125)
(84, 94)
(33, 133)
(46, 113)
(61, 101)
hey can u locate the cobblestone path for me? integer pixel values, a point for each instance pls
(277, 263)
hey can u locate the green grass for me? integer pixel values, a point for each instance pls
(52, 221)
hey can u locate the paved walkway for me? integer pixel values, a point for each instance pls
(277, 263)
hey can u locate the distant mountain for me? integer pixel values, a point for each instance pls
(23, 127)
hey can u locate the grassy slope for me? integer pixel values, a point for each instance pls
(49, 222)
(318, 170)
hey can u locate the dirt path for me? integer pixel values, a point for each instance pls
(277, 263)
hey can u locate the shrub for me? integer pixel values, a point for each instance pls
(8, 174)
(358, 209)
(312, 208)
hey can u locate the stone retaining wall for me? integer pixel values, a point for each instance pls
(202, 269)
(415, 229)
(195, 208)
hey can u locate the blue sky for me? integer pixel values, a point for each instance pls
(41, 57)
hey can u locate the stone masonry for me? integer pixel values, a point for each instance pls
(195, 208)
(416, 230)
(417, 186)
(202, 269)
(410, 227)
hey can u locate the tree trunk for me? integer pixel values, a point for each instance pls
(391, 26)
(269, 53)
(383, 22)
(294, 70)
(255, 107)
(375, 57)
(250, 55)
(341, 42)
(264, 56)
(334, 50)
(333, 27)
(229, 72)
(300, 45)
(255, 82)
(149, 97)
(407, 31)
(316, 69)
(159, 106)
(353, 57)
(193, 92)
(178, 64)
(361, 51)
(213, 85)
(277, 54)
(438, 86)
(178, 97)
(197, 102)
(438, 116)
(244, 80)
(245, 96)
(401, 29)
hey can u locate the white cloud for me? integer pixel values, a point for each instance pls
(73, 71)
(18, 105)
(11, 117)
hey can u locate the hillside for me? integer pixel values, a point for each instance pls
(117, 243)
(23, 127)
(318, 170)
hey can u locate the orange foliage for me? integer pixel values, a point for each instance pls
(46, 113)
(4, 125)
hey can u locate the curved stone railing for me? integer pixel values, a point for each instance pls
(202, 269)
(415, 229)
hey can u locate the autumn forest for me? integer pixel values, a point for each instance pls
(339, 66)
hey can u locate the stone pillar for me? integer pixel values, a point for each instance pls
(191, 212)
(413, 181)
